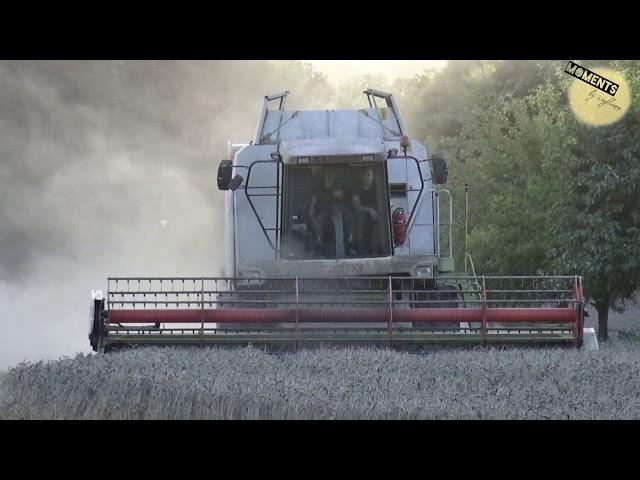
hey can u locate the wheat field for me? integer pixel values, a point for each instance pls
(247, 383)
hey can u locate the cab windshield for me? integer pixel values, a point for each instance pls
(335, 211)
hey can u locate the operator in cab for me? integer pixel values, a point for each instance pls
(364, 199)
(328, 194)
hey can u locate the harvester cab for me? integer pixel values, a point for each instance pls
(337, 230)
(333, 192)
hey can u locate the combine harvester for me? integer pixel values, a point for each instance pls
(337, 232)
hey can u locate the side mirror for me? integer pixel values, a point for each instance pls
(235, 183)
(439, 170)
(225, 170)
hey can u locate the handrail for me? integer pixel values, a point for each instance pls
(411, 224)
(265, 109)
(276, 195)
(422, 182)
(450, 224)
(371, 277)
(391, 103)
(567, 291)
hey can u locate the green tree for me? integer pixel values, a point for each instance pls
(597, 227)
(548, 194)
(309, 88)
(515, 159)
(453, 110)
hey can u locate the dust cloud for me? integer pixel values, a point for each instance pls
(109, 168)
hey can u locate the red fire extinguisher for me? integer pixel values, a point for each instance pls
(399, 220)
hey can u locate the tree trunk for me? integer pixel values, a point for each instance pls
(603, 321)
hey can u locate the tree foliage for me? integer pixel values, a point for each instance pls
(597, 223)
(547, 193)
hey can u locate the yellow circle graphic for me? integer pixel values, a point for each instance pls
(595, 107)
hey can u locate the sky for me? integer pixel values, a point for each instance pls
(339, 70)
